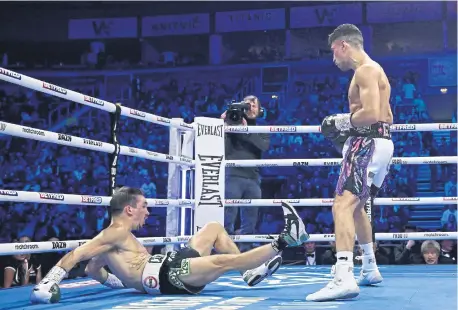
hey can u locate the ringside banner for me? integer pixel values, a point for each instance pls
(102, 28)
(401, 12)
(326, 15)
(167, 25)
(252, 20)
(209, 171)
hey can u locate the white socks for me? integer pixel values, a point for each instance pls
(369, 262)
(344, 257)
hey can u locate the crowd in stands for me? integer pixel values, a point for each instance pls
(37, 166)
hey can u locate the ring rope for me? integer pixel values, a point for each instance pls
(316, 129)
(73, 199)
(55, 246)
(68, 94)
(89, 144)
(427, 160)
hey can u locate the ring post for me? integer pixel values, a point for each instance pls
(173, 187)
(209, 171)
(187, 149)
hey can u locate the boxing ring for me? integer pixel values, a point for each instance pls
(198, 149)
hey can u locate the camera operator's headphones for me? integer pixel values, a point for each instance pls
(255, 99)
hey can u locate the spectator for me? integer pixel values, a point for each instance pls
(430, 251)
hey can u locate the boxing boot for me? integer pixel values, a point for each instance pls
(369, 277)
(343, 286)
(256, 275)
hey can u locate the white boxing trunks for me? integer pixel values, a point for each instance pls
(150, 275)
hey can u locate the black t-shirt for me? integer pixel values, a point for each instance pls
(16, 265)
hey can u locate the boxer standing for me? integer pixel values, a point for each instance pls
(364, 137)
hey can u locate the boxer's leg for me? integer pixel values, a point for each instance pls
(213, 235)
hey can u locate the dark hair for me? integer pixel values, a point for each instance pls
(348, 33)
(122, 197)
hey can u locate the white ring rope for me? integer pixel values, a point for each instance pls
(54, 90)
(55, 246)
(316, 129)
(72, 199)
(89, 144)
(434, 160)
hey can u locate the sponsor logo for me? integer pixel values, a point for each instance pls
(185, 159)
(268, 165)
(33, 131)
(137, 113)
(132, 150)
(332, 163)
(156, 259)
(300, 163)
(152, 153)
(286, 200)
(435, 162)
(26, 246)
(91, 199)
(169, 157)
(186, 125)
(405, 199)
(54, 88)
(405, 127)
(59, 245)
(81, 243)
(329, 236)
(237, 129)
(263, 237)
(161, 202)
(448, 126)
(94, 101)
(204, 130)
(163, 120)
(183, 239)
(10, 74)
(4, 192)
(444, 198)
(63, 137)
(400, 236)
(2, 126)
(150, 282)
(436, 234)
(327, 200)
(235, 237)
(283, 129)
(230, 165)
(166, 239)
(238, 201)
(92, 142)
(211, 165)
(398, 161)
(185, 202)
(50, 196)
(153, 240)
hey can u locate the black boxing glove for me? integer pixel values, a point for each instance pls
(336, 128)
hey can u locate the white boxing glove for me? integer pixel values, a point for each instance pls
(48, 291)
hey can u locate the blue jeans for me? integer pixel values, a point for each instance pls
(241, 188)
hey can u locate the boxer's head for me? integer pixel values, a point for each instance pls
(346, 42)
(129, 204)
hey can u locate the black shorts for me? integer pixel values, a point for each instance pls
(177, 263)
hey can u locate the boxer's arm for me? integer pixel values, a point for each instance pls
(102, 243)
(366, 78)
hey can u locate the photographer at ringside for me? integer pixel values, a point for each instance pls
(243, 182)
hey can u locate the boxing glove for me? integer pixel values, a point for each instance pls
(48, 291)
(336, 128)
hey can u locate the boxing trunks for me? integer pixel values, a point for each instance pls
(367, 154)
(176, 264)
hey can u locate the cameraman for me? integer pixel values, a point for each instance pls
(243, 182)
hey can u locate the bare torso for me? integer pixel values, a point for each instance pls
(385, 91)
(127, 261)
